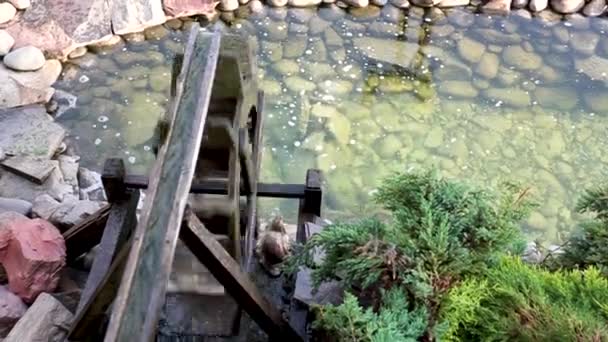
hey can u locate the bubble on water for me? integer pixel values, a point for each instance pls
(498, 104)
(319, 148)
(296, 143)
(291, 123)
(104, 126)
(103, 118)
(129, 122)
(333, 166)
(117, 134)
(147, 148)
(94, 125)
(131, 159)
(308, 52)
(83, 79)
(97, 141)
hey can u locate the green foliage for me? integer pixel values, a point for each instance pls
(518, 302)
(392, 323)
(440, 232)
(588, 246)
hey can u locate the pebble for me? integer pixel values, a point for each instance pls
(277, 3)
(453, 3)
(256, 6)
(27, 58)
(20, 4)
(567, 6)
(595, 8)
(6, 42)
(78, 52)
(174, 24)
(136, 37)
(403, 4)
(156, 32)
(538, 5)
(228, 5)
(7, 12)
(357, 3)
(518, 4)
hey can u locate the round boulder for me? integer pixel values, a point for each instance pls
(27, 58)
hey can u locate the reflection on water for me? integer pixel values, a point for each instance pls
(362, 94)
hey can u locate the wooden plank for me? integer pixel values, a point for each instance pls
(143, 288)
(234, 195)
(113, 179)
(208, 251)
(85, 235)
(257, 121)
(310, 205)
(119, 227)
(217, 187)
(87, 323)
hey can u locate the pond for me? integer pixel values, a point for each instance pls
(364, 92)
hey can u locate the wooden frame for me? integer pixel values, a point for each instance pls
(133, 267)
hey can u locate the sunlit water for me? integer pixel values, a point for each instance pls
(362, 94)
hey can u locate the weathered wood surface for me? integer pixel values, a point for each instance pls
(143, 288)
(310, 205)
(257, 123)
(119, 227)
(85, 235)
(113, 179)
(229, 274)
(219, 187)
(46, 320)
(88, 321)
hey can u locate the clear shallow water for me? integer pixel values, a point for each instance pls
(365, 93)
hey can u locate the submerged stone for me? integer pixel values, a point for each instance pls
(458, 89)
(562, 98)
(509, 96)
(394, 53)
(521, 59)
(470, 50)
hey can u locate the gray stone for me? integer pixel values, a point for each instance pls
(462, 18)
(390, 52)
(578, 21)
(538, 5)
(584, 42)
(488, 65)
(509, 96)
(136, 15)
(256, 7)
(561, 98)
(91, 187)
(532, 254)
(596, 101)
(35, 169)
(327, 293)
(392, 14)
(460, 89)
(6, 42)
(46, 320)
(188, 8)
(29, 131)
(595, 67)
(470, 50)
(521, 59)
(567, 6)
(357, 3)
(301, 15)
(69, 166)
(332, 39)
(13, 186)
(28, 58)
(66, 214)
(11, 309)
(595, 8)
(493, 36)
(317, 25)
(380, 3)
(522, 13)
(295, 47)
(15, 205)
(7, 12)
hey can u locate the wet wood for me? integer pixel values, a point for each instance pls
(142, 291)
(87, 325)
(310, 205)
(219, 187)
(227, 271)
(85, 235)
(119, 227)
(113, 179)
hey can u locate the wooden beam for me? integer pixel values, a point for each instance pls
(85, 235)
(310, 205)
(119, 227)
(223, 267)
(142, 291)
(113, 179)
(218, 187)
